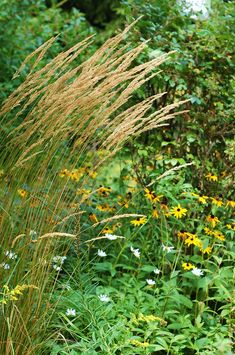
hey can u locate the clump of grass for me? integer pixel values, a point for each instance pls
(63, 114)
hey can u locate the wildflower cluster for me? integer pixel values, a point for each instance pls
(13, 294)
(58, 261)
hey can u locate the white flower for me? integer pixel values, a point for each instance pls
(5, 266)
(167, 249)
(59, 259)
(11, 255)
(101, 253)
(57, 268)
(195, 6)
(197, 272)
(136, 252)
(112, 236)
(104, 298)
(71, 312)
(156, 271)
(150, 282)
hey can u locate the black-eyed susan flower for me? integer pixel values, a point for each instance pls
(213, 220)
(194, 194)
(64, 173)
(76, 174)
(211, 177)
(139, 221)
(92, 174)
(105, 208)
(223, 173)
(203, 199)
(151, 196)
(23, 193)
(104, 191)
(178, 211)
(187, 266)
(216, 201)
(182, 234)
(93, 218)
(164, 207)
(231, 226)
(107, 230)
(123, 202)
(193, 240)
(219, 235)
(207, 250)
(208, 231)
(230, 203)
(155, 213)
(83, 192)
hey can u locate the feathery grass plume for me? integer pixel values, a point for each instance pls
(61, 115)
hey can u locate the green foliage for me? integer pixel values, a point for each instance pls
(28, 24)
(201, 69)
(153, 302)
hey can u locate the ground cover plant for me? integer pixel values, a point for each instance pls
(117, 198)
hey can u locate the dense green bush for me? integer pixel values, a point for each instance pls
(202, 70)
(28, 24)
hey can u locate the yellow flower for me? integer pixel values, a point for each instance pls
(164, 207)
(76, 174)
(23, 193)
(106, 208)
(64, 172)
(139, 221)
(93, 218)
(104, 191)
(178, 211)
(92, 174)
(193, 240)
(216, 202)
(83, 192)
(138, 343)
(230, 203)
(211, 177)
(1, 173)
(151, 196)
(13, 295)
(208, 231)
(203, 199)
(231, 226)
(207, 250)
(107, 230)
(213, 220)
(74, 205)
(182, 234)
(223, 173)
(151, 318)
(219, 235)
(155, 213)
(187, 266)
(123, 202)
(195, 195)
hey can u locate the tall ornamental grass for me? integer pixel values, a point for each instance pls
(63, 114)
